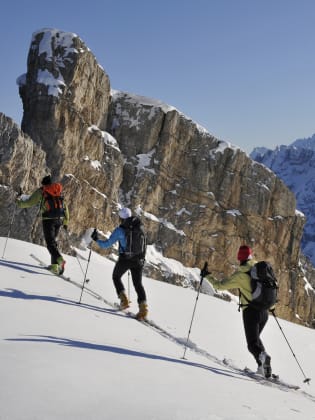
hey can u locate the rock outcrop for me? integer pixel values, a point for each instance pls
(200, 198)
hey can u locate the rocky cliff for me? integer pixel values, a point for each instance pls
(200, 198)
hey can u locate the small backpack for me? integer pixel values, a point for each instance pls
(53, 201)
(136, 238)
(264, 286)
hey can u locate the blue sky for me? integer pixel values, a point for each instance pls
(243, 69)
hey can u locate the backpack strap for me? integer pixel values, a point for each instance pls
(242, 305)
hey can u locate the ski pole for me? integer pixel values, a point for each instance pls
(76, 255)
(201, 280)
(87, 266)
(306, 380)
(36, 217)
(129, 285)
(9, 231)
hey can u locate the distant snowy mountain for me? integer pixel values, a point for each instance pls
(259, 151)
(295, 165)
(308, 143)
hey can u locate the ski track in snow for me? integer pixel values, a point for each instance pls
(203, 380)
(183, 342)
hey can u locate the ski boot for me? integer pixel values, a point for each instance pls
(61, 264)
(54, 268)
(124, 302)
(143, 311)
(265, 366)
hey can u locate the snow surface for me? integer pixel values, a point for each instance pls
(64, 360)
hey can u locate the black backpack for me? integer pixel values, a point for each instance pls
(136, 239)
(264, 286)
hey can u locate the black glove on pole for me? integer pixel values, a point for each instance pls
(204, 272)
(94, 235)
(201, 279)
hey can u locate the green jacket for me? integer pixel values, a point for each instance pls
(238, 280)
(37, 198)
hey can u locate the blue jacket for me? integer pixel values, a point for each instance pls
(118, 234)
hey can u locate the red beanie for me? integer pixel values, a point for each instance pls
(244, 253)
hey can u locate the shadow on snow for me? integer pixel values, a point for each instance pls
(121, 351)
(28, 268)
(18, 294)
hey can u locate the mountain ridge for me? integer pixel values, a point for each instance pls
(295, 165)
(199, 197)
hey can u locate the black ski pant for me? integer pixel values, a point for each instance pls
(51, 229)
(254, 321)
(135, 267)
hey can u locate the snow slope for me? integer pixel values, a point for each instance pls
(64, 360)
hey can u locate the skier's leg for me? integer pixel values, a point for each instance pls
(136, 274)
(49, 229)
(119, 270)
(251, 320)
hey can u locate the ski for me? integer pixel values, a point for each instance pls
(43, 265)
(251, 372)
(130, 314)
(68, 279)
(273, 379)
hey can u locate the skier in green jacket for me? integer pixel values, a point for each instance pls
(54, 214)
(254, 320)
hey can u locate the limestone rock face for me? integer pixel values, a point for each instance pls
(64, 92)
(200, 198)
(22, 164)
(65, 96)
(203, 198)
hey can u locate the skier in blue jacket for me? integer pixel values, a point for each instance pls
(126, 262)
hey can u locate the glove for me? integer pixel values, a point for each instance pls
(204, 271)
(94, 235)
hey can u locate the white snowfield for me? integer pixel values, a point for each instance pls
(70, 361)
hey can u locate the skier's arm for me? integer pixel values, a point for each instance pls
(31, 201)
(117, 235)
(232, 282)
(67, 216)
